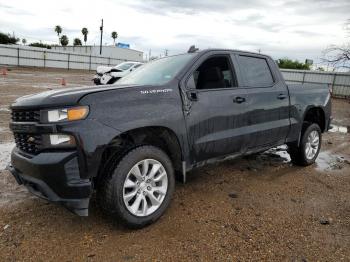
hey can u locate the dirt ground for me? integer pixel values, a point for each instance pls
(257, 208)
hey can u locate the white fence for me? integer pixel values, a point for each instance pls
(40, 57)
(339, 82)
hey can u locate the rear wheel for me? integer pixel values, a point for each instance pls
(140, 187)
(310, 144)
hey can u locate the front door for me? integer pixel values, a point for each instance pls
(217, 117)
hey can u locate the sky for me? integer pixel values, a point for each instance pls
(297, 29)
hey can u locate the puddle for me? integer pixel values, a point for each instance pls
(10, 192)
(5, 151)
(338, 129)
(279, 152)
(274, 157)
(327, 160)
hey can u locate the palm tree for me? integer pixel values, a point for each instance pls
(58, 30)
(24, 41)
(114, 36)
(64, 40)
(85, 32)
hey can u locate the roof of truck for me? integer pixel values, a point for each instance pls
(230, 50)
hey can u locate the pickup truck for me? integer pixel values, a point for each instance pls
(127, 141)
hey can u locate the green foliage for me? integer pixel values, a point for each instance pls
(77, 42)
(36, 44)
(8, 39)
(24, 41)
(58, 30)
(114, 35)
(64, 40)
(85, 32)
(290, 64)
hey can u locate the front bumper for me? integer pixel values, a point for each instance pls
(53, 176)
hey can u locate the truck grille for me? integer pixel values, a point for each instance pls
(25, 115)
(29, 143)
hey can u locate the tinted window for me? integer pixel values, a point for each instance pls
(256, 71)
(124, 66)
(213, 73)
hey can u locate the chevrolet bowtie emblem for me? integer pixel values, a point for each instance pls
(30, 139)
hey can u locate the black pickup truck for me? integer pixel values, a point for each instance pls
(128, 141)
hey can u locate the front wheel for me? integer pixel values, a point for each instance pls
(310, 144)
(140, 187)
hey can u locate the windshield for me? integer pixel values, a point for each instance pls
(158, 71)
(124, 66)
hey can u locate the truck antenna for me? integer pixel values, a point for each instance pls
(192, 49)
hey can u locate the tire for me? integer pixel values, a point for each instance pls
(112, 192)
(299, 154)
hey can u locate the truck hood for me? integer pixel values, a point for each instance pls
(103, 69)
(61, 97)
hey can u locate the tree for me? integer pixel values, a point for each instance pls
(58, 30)
(24, 41)
(8, 39)
(85, 32)
(64, 40)
(290, 64)
(339, 55)
(77, 42)
(114, 35)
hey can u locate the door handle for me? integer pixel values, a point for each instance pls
(281, 96)
(239, 100)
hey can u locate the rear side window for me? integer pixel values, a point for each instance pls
(256, 71)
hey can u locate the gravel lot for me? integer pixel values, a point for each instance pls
(257, 208)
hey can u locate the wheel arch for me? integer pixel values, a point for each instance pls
(315, 114)
(159, 136)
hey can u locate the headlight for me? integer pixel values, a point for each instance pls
(67, 114)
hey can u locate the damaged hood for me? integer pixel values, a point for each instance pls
(61, 97)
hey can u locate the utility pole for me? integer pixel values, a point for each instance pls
(149, 54)
(166, 52)
(101, 29)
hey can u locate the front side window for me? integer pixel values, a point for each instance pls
(256, 71)
(214, 73)
(124, 66)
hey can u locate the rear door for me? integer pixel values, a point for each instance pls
(267, 99)
(216, 114)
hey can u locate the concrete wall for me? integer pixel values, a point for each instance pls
(107, 51)
(18, 55)
(339, 82)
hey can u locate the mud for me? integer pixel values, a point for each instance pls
(279, 212)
